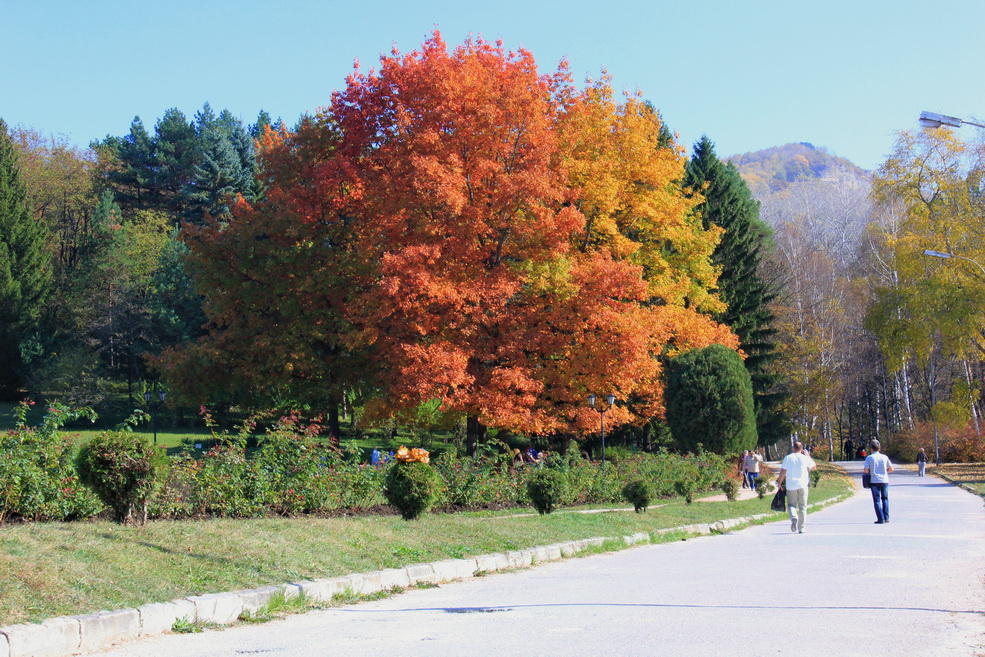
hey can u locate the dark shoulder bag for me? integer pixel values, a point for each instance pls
(866, 480)
(779, 500)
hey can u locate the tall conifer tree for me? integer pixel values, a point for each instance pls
(729, 204)
(176, 153)
(25, 265)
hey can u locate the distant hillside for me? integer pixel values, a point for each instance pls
(773, 170)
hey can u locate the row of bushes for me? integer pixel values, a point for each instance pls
(46, 477)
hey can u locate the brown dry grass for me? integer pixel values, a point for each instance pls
(970, 474)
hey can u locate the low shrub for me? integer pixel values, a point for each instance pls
(685, 488)
(412, 488)
(815, 477)
(124, 470)
(38, 479)
(638, 494)
(228, 485)
(473, 482)
(730, 486)
(290, 458)
(764, 485)
(173, 500)
(546, 488)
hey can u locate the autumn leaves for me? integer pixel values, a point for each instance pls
(457, 227)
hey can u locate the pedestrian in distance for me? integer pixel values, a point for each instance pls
(795, 471)
(878, 467)
(742, 469)
(752, 468)
(921, 463)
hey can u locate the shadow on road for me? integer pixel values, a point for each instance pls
(657, 605)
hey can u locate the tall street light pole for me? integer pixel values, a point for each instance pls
(946, 256)
(601, 410)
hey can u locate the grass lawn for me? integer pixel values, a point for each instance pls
(970, 474)
(72, 568)
(166, 436)
(173, 438)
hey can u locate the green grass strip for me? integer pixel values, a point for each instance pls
(56, 569)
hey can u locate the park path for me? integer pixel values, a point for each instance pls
(845, 587)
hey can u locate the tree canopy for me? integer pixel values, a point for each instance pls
(25, 265)
(459, 227)
(746, 241)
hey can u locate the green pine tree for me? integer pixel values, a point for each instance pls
(729, 204)
(25, 266)
(226, 165)
(177, 151)
(174, 307)
(132, 177)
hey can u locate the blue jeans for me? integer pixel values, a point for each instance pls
(752, 479)
(880, 500)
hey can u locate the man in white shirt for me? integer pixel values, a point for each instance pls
(795, 471)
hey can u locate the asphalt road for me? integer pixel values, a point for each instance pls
(845, 587)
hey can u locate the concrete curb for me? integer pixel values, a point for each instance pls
(59, 637)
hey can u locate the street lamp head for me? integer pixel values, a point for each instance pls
(934, 120)
(591, 401)
(147, 395)
(610, 399)
(162, 395)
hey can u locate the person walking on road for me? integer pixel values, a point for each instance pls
(878, 467)
(796, 472)
(921, 463)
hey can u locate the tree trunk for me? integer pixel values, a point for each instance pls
(475, 432)
(334, 428)
(974, 409)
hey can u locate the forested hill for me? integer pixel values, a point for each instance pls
(774, 169)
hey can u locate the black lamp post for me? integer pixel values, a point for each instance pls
(154, 406)
(610, 400)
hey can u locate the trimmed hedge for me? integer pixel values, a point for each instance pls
(292, 473)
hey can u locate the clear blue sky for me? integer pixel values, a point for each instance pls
(843, 74)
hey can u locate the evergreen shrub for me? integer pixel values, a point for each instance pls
(638, 494)
(547, 489)
(124, 470)
(709, 397)
(412, 488)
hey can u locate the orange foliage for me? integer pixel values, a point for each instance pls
(962, 445)
(476, 233)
